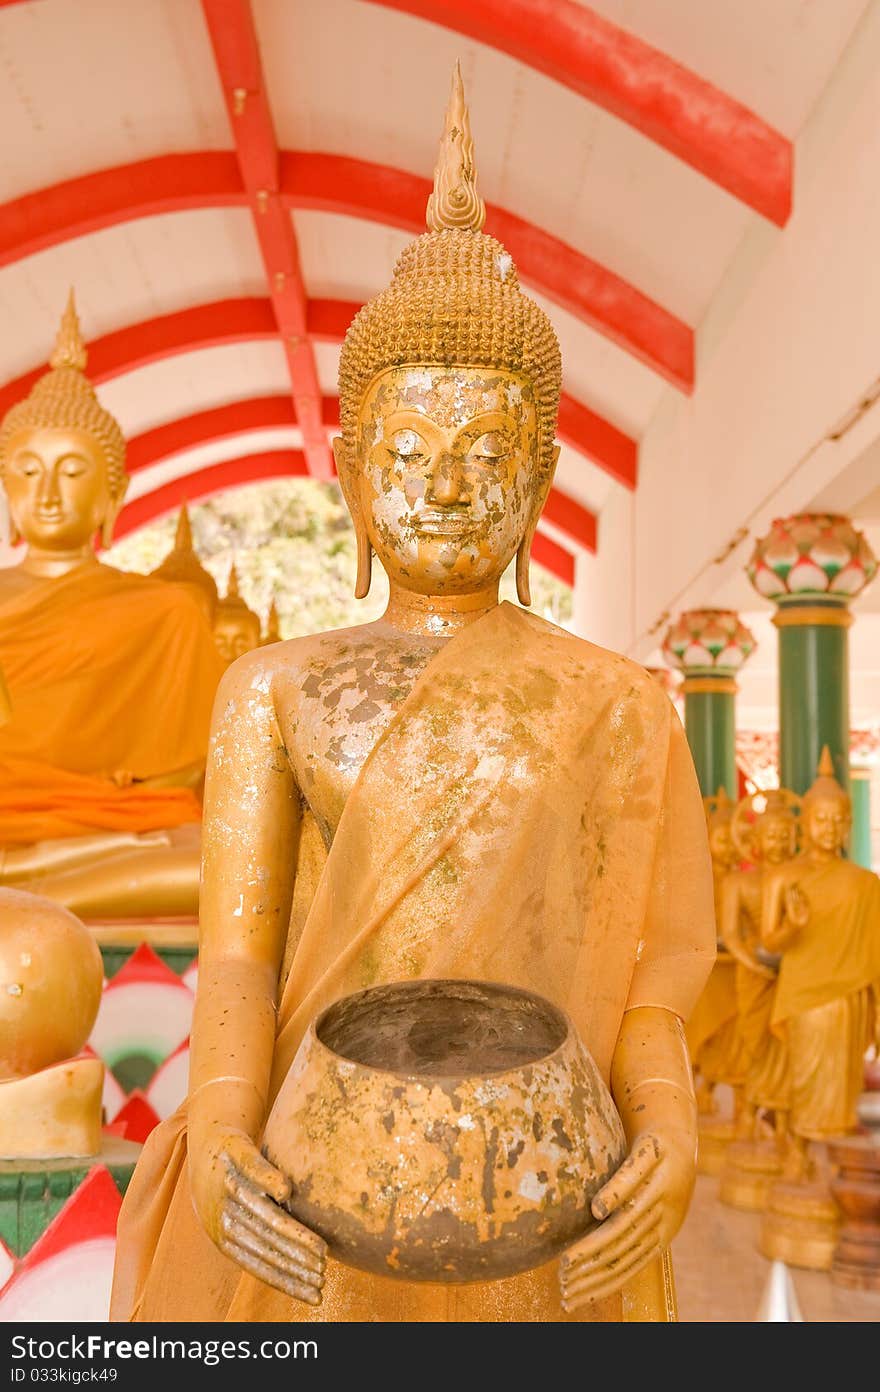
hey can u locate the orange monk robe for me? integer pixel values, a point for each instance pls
(549, 834)
(109, 674)
(828, 989)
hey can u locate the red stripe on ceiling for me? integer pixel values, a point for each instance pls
(236, 52)
(269, 412)
(554, 558)
(245, 320)
(205, 482)
(617, 71)
(572, 518)
(336, 184)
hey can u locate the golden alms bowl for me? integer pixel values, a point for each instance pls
(444, 1131)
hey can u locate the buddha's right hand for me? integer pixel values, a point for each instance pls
(238, 1196)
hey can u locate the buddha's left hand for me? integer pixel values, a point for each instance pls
(640, 1210)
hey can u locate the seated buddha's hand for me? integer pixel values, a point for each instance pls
(640, 1210)
(797, 907)
(239, 1195)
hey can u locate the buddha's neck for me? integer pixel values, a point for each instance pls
(51, 565)
(437, 616)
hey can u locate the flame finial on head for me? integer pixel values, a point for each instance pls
(455, 202)
(183, 537)
(826, 763)
(69, 350)
(232, 590)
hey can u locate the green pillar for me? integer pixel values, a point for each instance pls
(860, 792)
(709, 646)
(710, 725)
(813, 690)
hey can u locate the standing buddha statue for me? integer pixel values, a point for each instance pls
(712, 1035)
(111, 676)
(237, 629)
(766, 843)
(492, 797)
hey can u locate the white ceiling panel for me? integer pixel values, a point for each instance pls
(192, 382)
(124, 275)
(92, 83)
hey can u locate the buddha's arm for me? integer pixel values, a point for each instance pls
(778, 931)
(643, 1205)
(734, 909)
(249, 838)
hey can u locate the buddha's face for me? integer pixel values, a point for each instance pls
(235, 635)
(57, 485)
(446, 478)
(776, 838)
(721, 845)
(827, 823)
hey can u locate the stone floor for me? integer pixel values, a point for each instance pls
(720, 1275)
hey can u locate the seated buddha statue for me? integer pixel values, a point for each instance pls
(237, 629)
(182, 567)
(111, 676)
(822, 913)
(770, 843)
(482, 795)
(712, 1035)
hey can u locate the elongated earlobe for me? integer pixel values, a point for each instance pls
(524, 553)
(348, 485)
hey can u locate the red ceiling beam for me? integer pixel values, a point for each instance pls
(236, 53)
(617, 71)
(336, 184)
(553, 557)
(245, 320)
(205, 482)
(269, 412)
(254, 468)
(609, 304)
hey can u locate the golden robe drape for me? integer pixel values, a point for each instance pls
(531, 815)
(108, 674)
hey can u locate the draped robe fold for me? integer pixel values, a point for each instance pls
(108, 674)
(530, 815)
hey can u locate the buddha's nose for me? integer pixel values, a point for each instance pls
(445, 484)
(48, 492)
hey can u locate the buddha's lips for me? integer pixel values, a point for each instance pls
(452, 524)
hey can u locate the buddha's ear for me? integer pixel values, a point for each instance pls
(114, 507)
(539, 498)
(346, 469)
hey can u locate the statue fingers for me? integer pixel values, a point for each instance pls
(240, 1235)
(278, 1220)
(610, 1243)
(642, 1159)
(240, 1220)
(245, 1160)
(271, 1275)
(584, 1276)
(614, 1280)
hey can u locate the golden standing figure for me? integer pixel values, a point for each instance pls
(456, 790)
(712, 1036)
(111, 676)
(822, 912)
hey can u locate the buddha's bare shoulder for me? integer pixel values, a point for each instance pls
(294, 660)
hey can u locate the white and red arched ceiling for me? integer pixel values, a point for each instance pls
(225, 181)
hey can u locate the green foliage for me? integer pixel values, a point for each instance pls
(292, 541)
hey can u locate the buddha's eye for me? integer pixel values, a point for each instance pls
(73, 467)
(408, 447)
(492, 446)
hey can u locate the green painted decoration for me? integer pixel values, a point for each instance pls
(813, 701)
(710, 725)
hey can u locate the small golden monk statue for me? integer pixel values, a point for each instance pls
(480, 794)
(766, 839)
(822, 913)
(182, 567)
(111, 676)
(712, 1034)
(237, 629)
